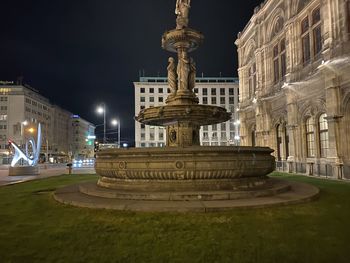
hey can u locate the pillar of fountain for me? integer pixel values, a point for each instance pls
(182, 116)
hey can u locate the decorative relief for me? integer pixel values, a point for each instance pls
(179, 165)
(173, 136)
(122, 165)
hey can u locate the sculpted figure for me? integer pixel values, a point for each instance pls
(172, 77)
(182, 10)
(192, 75)
(183, 70)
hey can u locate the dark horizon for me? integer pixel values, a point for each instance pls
(79, 54)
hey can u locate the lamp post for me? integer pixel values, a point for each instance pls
(115, 122)
(102, 110)
(23, 124)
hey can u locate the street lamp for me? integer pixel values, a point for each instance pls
(116, 122)
(102, 110)
(23, 124)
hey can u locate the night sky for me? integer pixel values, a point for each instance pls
(79, 53)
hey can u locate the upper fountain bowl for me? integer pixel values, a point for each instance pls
(182, 38)
(196, 114)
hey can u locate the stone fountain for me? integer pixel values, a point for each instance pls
(183, 175)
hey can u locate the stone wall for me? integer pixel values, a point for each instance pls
(294, 72)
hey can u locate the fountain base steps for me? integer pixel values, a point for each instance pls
(279, 192)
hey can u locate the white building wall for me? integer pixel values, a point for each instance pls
(152, 92)
(21, 104)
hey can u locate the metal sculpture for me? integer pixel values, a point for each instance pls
(33, 158)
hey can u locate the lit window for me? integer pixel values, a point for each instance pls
(311, 36)
(279, 61)
(324, 142)
(223, 135)
(310, 137)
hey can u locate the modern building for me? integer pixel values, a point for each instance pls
(83, 134)
(294, 77)
(62, 137)
(153, 91)
(21, 109)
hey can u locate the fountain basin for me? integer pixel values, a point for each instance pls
(185, 168)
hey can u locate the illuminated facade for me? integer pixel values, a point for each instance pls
(81, 145)
(153, 91)
(294, 72)
(21, 109)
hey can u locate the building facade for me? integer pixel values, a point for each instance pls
(82, 143)
(294, 76)
(153, 91)
(21, 109)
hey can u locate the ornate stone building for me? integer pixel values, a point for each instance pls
(294, 77)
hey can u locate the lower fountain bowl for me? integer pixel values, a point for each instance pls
(184, 168)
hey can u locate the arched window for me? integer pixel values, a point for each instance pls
(279, 61)
(279, 132)
(311, 37)
(323, 126)
(252, 81)
(310, 137)
(286, 140)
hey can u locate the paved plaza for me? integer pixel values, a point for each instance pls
(45, 172)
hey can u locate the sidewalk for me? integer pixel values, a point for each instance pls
(45, 172)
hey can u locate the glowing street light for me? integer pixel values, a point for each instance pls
(116, 122)
(102, 110)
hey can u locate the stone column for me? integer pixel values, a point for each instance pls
(334, 150)
(243, 130)
(291, 127)
(333, 118)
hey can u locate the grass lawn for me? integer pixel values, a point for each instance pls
(35, 228)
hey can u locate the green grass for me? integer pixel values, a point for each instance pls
(35, 228)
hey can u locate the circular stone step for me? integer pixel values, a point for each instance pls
(273, 188)
(298, 193)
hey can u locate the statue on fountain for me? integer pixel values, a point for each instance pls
(172, 76)
(182, 11)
